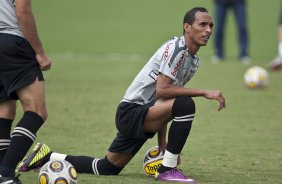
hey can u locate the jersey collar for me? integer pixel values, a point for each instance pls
(183, 41)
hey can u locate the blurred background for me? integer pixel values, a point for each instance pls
(138, 27)
(98, 46)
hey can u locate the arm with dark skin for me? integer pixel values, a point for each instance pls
(166, 90)
(27, 25)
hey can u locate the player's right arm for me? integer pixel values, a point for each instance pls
(166, 89)
(27, 25)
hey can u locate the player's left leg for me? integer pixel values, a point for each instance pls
(128, 141)
(111, 164)
(83, 164)
(92, 165)
(121, 151)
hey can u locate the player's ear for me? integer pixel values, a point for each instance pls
(186, 27)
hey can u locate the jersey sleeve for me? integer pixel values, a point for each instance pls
(172, 59)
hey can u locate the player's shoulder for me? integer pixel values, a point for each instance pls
(178, 43)
(174, 39)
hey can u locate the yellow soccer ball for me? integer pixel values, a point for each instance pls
(256, 77)
(152, 160)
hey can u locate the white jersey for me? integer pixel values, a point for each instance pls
(8, 20)
(171, 59)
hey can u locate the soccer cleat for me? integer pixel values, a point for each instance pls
(13, 179)
(36, 159)
(174, 175)
(276, 64)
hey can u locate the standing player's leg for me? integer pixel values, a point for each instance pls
(241, 18)
(276, 63)
(220, 16)
(32, 98)
(7, 115)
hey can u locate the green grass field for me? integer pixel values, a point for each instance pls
(98, 47)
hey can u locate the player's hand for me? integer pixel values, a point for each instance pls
(44, 61)
(216, 95)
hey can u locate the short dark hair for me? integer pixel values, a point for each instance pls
(190, 15)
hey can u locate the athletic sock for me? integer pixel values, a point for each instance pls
(85, 164)
(57, 156)
(183, 112)
(169, 162)
(177, 136)
(280, 49)
(176, 140)
(82, 164)
(5, 129)
(22, 138)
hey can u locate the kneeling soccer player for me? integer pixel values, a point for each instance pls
(155, 97)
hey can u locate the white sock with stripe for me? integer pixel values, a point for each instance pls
(57, 156)
(170, 159)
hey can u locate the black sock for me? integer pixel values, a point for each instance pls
(183, 112)
(5, 130)
(22, 138)
(177, 136)
(85, 164)
(82, 164)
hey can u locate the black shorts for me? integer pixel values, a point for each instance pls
(129, 122)
(18, 66)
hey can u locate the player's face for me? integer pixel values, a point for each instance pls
(201, 30)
